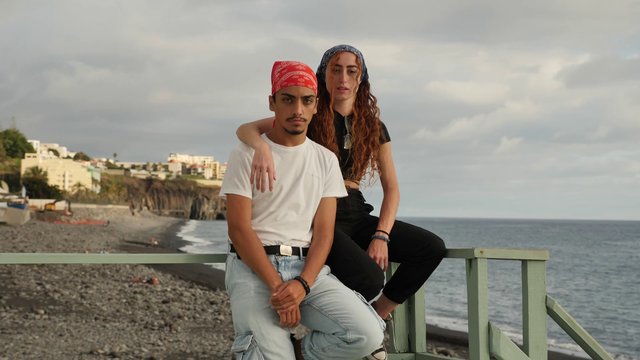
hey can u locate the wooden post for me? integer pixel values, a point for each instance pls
(534, 310)
(400, 341)
(409, 323)
(418, 322)
(478, 308)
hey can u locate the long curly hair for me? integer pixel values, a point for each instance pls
(365, 128)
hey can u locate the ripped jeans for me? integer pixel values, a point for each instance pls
(343, 324)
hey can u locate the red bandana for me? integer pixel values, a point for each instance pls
(292, 73)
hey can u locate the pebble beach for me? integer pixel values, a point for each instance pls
(105, 311)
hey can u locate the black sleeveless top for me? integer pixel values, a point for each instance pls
(345, 159)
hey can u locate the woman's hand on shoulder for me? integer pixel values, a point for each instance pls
(263, 171)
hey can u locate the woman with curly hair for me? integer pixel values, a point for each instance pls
(348, 123)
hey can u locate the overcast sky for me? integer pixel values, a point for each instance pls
(496, 108)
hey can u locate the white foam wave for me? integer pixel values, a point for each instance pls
(187, 232)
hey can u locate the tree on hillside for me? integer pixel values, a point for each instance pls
(81, 193)
(81, 156)
(3, 152)
(35, 180)
(111, 165)
(10, 172)
(78, 187)
(37, 173)
(39, 189)
(15, 144)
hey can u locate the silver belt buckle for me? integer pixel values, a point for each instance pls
(286, 250)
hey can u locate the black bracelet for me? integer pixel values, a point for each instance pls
(380, 237)
(304, 283)
(382, 231)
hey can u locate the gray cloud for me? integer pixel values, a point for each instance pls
(602, 72)
(495, 108)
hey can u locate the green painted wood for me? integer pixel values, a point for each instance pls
(399, 343)
(478, 308)
(429, 356)
(575, 331)
(502, 348)
(420, 356)
(498, 254)
(409, 319)
(417, 322)
(534, 309)
(80, 258)
(403, 356)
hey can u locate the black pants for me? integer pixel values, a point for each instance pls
(418, 251)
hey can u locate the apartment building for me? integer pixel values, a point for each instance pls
(64, 173)
(196, 165)
(190, 159)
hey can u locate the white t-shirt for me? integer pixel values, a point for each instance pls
(305, 174)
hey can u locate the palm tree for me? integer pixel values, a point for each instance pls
(78, 187)
(36, 172)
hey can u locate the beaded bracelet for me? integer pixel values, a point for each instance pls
(380, 237)
(304, 283)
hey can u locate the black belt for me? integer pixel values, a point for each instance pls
(282, 250)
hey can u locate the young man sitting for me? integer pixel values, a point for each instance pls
(275, 273)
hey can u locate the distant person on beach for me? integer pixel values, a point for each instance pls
(275, 272)
(347, 123)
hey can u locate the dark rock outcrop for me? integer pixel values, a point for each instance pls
(178, 198)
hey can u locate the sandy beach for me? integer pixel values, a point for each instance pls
(122, 311)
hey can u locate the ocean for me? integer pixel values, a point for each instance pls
(592, 272)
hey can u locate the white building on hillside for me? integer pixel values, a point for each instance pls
(175, 167)
(35, 144)
(46, 148)
(196, 165)
(190, 159)
(50, 150)
(67, 174)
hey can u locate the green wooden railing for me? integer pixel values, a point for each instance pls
(486, 340)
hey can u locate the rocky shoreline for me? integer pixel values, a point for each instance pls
(122, 311)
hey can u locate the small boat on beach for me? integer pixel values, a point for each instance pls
(15, 211)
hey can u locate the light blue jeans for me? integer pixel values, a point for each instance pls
(343, 324)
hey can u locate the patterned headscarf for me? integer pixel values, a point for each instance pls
(292, 73)
(322, 68)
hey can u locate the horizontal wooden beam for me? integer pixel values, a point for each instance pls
(119, 258)
(498, 254)
(109, 258)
